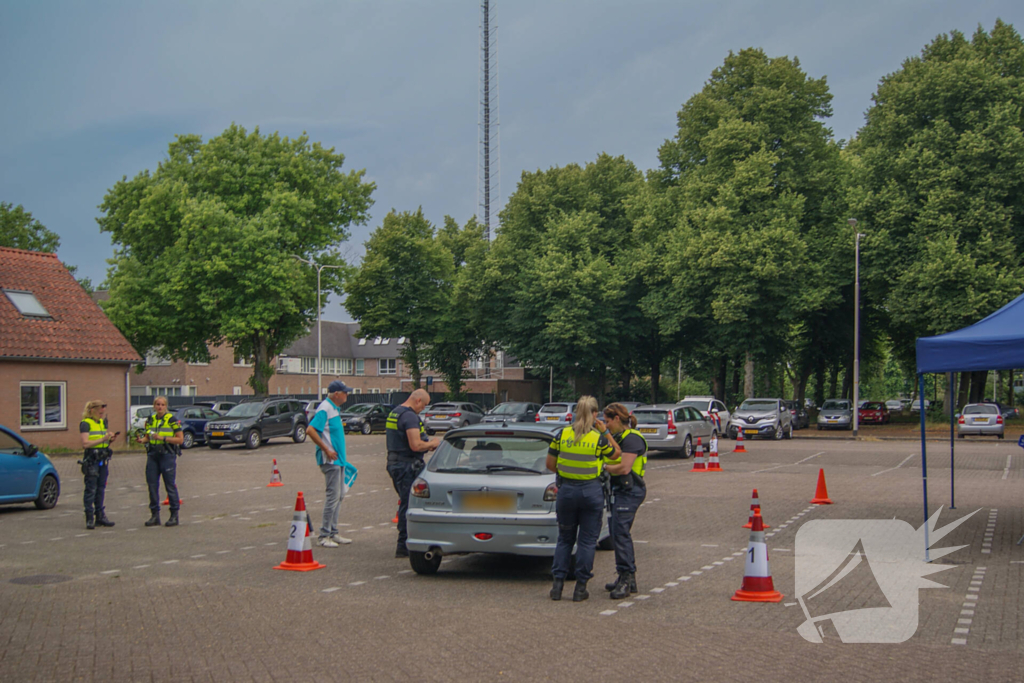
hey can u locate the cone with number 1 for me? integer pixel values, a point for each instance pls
(300, 549)
(757, 577)
(739, 442)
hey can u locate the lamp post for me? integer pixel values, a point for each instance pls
(319, 335)
(856, 327)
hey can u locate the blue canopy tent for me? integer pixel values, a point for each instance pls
(993, 343)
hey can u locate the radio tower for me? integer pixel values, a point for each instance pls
(488, 139)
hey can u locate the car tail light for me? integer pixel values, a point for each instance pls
(420, 488)
(961, 419)
(672, 425)
(536, 418)
(999, 419)
(568, 417)
(455, 415)
(551, 492)
(483, 536)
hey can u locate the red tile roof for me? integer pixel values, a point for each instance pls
(78, 330)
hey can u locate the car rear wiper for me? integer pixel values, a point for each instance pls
(458, 469)
(510, 468)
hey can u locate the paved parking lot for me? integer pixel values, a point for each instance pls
(201, 602)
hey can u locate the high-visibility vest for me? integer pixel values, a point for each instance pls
(97, 432)
(581, 460)
(165, 427)
(395, 440)
(640, 463)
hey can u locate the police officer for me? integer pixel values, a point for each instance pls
(576, 457)
(96, 439)
(406, 443)
(629, 491)
(162, 435)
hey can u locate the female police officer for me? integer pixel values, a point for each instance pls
(576, 458)
(629, 491)
(96, 440)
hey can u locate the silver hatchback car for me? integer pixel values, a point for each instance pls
(444, 416)
(981, 419)
(671, 427)
(486, 490)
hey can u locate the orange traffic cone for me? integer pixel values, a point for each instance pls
(757, 577)
(275, 476)
(395, 520)
(755, 504)
(300, 549)
(821, 495)
(739, 442)
(714, 465)
(167, 501)
(698, 459)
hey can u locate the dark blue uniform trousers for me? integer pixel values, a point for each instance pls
(403, 474)
(627, 502)
(580, 510)
(95, 487)
(165, 465)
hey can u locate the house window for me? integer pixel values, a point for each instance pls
(27, 304)
(241, 362)
(401, 340)
(376, 342)
(375, 390)
(387, 366)
(308, 366)
(362, 342)
(165, 391)
(356, 390)
(236, 391)
(342, 366)
(156, 357)
(42, 405)
(360, 367)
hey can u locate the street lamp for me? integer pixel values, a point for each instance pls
(319, 335)
(856, 326)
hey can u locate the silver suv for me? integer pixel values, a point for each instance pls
(765, 417)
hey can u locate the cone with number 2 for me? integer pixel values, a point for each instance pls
(300, 549)
(757, 577)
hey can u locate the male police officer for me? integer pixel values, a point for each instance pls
(406, 445)
(162, 436)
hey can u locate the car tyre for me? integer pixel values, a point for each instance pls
(687, 449)
(188, 440)
(819, 428)
(1000, 435)
(430, 432)
(299, 435)
(214, 446)
(421, 565)
(465, 423)
(779, 433)
(49, 492)
(252, 440)
(366, 428)
(960, 436)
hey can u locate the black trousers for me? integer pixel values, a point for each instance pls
(161, 465)
(627, 502)
(95, 487)
(403, 474)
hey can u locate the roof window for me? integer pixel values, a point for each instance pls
(27, 304)
(362, 342)
(401, 340)
(376, 342)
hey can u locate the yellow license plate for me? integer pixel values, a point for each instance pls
(216, 433)
(750, 431)
(648, 431)
(489, 501)
(553, 418)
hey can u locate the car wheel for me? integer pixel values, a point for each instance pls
(299, 435)
(252, 440)
(819, 428)
(430, 432)
(49, 492)
(732, 434)
(779, 433)
(606, 543)
(465, 423)
(960, 436)
(1000, 435)
(188, 440)
(687, 447)
(214, 446)
(366, 428)
(421, 565)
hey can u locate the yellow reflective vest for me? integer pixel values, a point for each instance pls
(640, 463)
(164, 427)
(97, 432)
(581, 460)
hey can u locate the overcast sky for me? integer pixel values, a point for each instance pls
(95, 91)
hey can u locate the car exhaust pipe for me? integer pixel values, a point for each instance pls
(431, 554)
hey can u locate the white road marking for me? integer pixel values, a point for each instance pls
(708, 545)
(717, 563)
(271, 543)
(141, 566)
(196, 557)
(248, 547)
(136, 529)
(958, 641)
(789, 604)
(769, 469)
(331, 590)
(684, 578)
(222, 552)
(171, 561)
(902, 463)
(405, 571)
(59, 538)
(27, 542)
(1006, 472)
(728, 559)
(696, 572)
(80, 535)
(357, 583)
(367, 527)
(624, 604)
(964, 621)
(111, 571)
(658, 590)
(643, 597)
(378, 578)
(672, 584)
(607, 613)
(782, 550)
(962, 631)
(967, 612)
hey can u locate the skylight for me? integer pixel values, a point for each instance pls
(401, 340)
(362, 342)
(27, 304)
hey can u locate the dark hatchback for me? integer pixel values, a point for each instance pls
(258, 422)
(366, 418)
(193, 421)
(512, 412)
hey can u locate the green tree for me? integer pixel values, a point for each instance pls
(19, 230)
(400, 288)
(206, 244)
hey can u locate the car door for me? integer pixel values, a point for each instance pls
(703, 426)
(377, 418)
(20, 472)
(269, 423)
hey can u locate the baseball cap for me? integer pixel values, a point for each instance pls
(338, 385)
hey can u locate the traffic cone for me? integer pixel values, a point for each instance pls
(698, 459)
(167, 501)
(739, 442)
(821, 494)
(275, 476)
(300, 549)
(757, 577)
(395, 520)
(714, 465)
(755, 504)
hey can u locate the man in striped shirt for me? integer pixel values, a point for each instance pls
(328, 433)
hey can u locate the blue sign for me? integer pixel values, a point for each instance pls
(1020, 442)
(430, 383)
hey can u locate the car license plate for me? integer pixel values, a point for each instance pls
(750, 431)
(981, 419)
(648, 431)
(488, 501)
(833, 421)
(555, 419)
(216, 433)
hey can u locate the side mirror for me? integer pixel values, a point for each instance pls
(31, 450)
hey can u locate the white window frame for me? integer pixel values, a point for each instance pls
(155, 359)
(308, 366)
(360, 367)
(362, 342)
(240, 362)
(387, 366)
(375, 390)
(44, 426)
(356, 390)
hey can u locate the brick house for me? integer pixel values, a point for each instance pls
(57, 351)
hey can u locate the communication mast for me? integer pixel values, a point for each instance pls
(488, 139)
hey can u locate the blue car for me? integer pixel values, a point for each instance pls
(193, 421)
(26, 475)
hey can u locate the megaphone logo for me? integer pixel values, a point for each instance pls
(877, 562)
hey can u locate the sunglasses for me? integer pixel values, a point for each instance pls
(102, 406)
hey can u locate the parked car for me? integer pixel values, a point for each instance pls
(632, 405)
(556, 413)
(708, 405)
(221, 407)
(801, 420)
(512, 411)
(766, 417)
(836, 413)
(894, 406)
(139, 415)
(28, 475)
(1006, 411)
(915, 405)
(311, 407)
(981, 419)
(486, 490)
(671, 427)
(444, 416)
(258, 422)
(873, 413)
(193, 421)
(366, 420)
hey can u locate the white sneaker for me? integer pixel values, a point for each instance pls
(327, 542)
(340, 540)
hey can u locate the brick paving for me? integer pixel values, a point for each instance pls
(202, 603)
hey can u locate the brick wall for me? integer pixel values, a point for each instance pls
(218, 377)
(84, 382)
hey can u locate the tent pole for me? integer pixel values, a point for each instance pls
(924, 463)
(952, 428)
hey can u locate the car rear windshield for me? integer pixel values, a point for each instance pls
(509, 409)
(245, 410)
(555, 408)
(442, 407)
(836, 405)
(759, 405)
(505, 453)
(651, 417)
(981, 410)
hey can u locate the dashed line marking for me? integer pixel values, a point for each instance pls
(80, 535)
(696, 572)
(271, 543)
(607, 613)
(141, 566)
(357, 583)
(1006, 472)
(958, 641)
(59, 538)
(223, 552)
(789, 604)
(902, 463)
(331, 590)
(708, 545)
(672, 584)
(171, 561)
(657, 590)
(248, 547)
(378, 578)
(684, 578)
(624, 604)
(196, 557)
(643, 597)
(769, 469)
(111, 571)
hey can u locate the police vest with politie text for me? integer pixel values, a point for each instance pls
(581, 460)
(164, 427)
(397, 440)
(636, 475)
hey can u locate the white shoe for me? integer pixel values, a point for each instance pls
(340, 540)
(326, 542)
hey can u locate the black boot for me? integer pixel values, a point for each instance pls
(632, 582)
(556, 589)
(154, 520)
(101, 518)
(173, 521)
(611, 586)
(621, 589)
(90, 521)
(401, 551)
(580, 594)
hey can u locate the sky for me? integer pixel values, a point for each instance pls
(95, 91)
